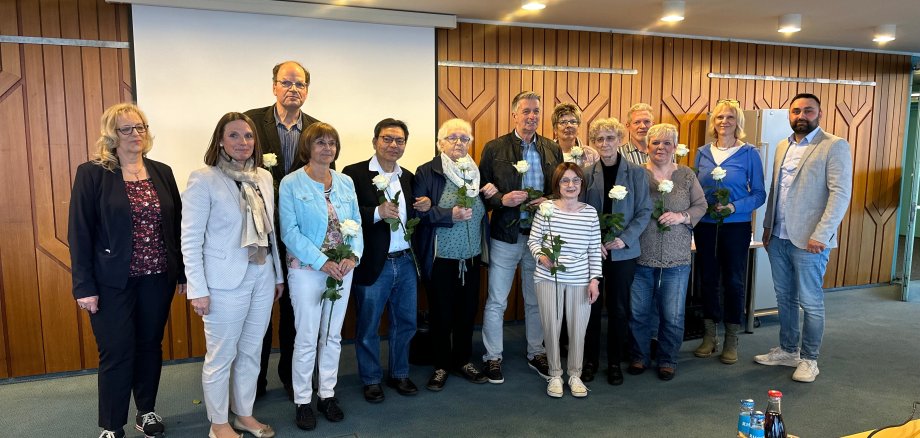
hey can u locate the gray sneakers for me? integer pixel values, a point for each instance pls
(777, 356)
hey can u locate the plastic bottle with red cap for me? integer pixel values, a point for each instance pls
(773, 418)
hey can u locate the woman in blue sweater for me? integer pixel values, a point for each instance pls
(733, 167)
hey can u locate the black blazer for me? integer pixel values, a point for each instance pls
(496, 166)
(100, 232)
(376, 236)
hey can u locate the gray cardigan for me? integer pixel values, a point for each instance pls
(636, 206)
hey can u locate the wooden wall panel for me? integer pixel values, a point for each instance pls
(673, 78)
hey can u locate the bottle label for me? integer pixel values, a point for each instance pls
(744, 424)
(757, 433)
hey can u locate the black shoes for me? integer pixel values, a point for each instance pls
(305, 418)
(614, 375)
(403, 386)
(373, 393)
(635, 368)
(436, 382)
(150, 423)
(470, 373)
(540, 365)
(330, 408)
(493, 371)
(666, 373)
(588, 371)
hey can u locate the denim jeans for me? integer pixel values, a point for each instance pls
(658, 293)
(504, 259)
(395, 286)
(798, 278)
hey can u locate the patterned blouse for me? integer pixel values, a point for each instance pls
(148, 255)
(333, 238)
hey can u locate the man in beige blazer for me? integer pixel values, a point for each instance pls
(812, 181)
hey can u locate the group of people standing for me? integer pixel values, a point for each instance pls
(602, 223)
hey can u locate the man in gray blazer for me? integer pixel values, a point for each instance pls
(812, 181)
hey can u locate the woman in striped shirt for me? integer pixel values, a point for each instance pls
(573, 290)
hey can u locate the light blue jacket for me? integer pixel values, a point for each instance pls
(304, 217)
(743, 179)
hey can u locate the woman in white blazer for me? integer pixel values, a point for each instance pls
(234, 271)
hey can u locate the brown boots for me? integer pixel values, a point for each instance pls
(711, 342)
(730, 349)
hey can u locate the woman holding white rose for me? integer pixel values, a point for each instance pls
(663, 268)
(449, 242)
(573, 290)
(731, 169)
(319, 222)
(232, 281)
(615, 187)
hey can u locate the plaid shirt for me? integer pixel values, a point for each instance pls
(289, 139)
(633, 155)
(533, 178)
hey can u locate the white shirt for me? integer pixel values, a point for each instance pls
(720, 155)
(397, 238)
(787, 173)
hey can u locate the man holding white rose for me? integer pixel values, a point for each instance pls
(515, 162)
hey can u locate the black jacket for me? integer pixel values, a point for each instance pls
(100, 231)
(376, 236)
(267, 131)
(496, 166)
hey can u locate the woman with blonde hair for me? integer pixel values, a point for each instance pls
(123, 232)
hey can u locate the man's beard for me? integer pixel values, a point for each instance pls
(804, 126)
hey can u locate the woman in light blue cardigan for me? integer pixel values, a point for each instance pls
(721, 249)
(316, 204)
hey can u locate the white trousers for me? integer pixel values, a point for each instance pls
(233, 331)
(313, 345)
(573, 302)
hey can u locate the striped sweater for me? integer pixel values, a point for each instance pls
(581, 253)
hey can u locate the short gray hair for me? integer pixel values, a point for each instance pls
(453, 124)
(663, 130)
(524, 95)
(641, 106)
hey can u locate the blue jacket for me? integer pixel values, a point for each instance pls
(304, 217)
(743, 179)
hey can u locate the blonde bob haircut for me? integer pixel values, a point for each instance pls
(105, 155)
(663, 131)
(612, 124)
(739, 118)
(453, 125)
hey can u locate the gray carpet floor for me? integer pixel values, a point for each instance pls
(870, 376)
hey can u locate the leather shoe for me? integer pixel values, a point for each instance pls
(588, 372)
(403, 386)
(635, 368)
(665, 373)
(373, 393)
(614, 375)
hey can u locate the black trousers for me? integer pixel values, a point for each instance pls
(452, 308)
(286, 335)
(129, 333)
(728, 261)
(618, 278)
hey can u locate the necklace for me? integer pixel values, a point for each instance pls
(137, 173)
(725, 148)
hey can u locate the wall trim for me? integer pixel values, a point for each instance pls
(16, 39)
(614, 71)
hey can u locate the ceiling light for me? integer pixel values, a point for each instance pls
(790, 23)
(673, 11)
(884, 33)
(532, 5)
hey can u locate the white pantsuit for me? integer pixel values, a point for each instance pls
(241, 293)
(574, 304)
(315, 335)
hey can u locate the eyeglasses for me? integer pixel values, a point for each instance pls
(565, 181)
(390, 140)
(608, 139)
(331, 144)
(288, 84)
(568, 122)
(126, 130)
(454, 139)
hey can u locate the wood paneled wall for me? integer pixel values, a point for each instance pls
(673, 78)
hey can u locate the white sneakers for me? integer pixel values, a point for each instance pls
(777, 356)
(806, 371)
(576, 386)
(554, 387)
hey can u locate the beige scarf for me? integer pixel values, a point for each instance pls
(256, 223)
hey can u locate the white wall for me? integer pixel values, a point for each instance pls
(193, 66)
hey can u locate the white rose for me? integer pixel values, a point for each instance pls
(682, 150)
(546, 209)
(465, 163)
(471, 192)
(522, 166)
(618, 193)
(269, 160)
(665, 186)
(381, 182)
(718, 173)
(349, 228)
(577, 151)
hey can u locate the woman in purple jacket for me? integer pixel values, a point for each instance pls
(731, 174)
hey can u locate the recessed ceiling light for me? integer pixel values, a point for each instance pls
(790, 23)
(673, 11)
(884, 33)
(532, 5)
